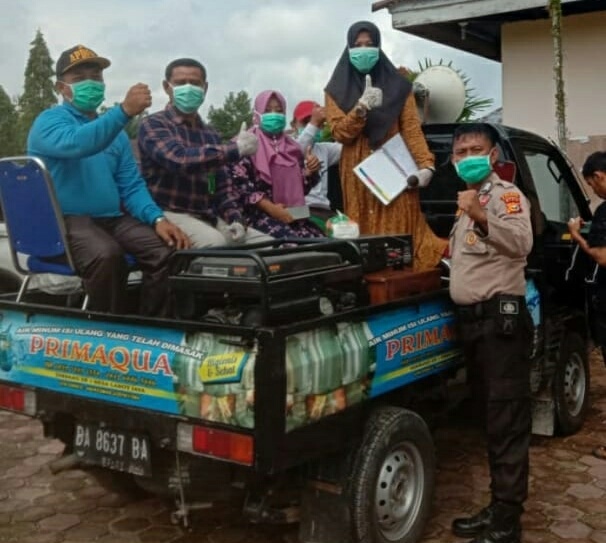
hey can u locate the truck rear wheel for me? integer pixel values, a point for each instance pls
(393, 478)
(571, 385)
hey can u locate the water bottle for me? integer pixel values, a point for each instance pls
(533, 302)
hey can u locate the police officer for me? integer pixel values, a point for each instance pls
(489, 243)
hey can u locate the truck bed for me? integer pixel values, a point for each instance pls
(268, 382)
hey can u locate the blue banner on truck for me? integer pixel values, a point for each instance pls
(412, 342)
(211, 377)
(128, 365)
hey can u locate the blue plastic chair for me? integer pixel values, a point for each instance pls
(34, 222)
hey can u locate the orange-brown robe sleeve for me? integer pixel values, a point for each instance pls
(402, 215)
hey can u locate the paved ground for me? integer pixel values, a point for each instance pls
(567, 499)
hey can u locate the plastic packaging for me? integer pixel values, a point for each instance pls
(342, 227)
(533, 301)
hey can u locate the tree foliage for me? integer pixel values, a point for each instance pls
(8, 126)
(228, 119)
(38, 93)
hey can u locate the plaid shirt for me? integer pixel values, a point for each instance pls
(183, 165)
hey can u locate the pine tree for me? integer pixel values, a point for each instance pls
(38, 93)
(8, 126)
(228, 119)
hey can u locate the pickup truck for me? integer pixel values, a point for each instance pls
(303, 376)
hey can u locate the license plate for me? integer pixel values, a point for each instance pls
(113, 449)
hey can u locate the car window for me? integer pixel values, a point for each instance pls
(546, 176)
(445, 183)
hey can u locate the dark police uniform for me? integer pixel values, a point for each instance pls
(488, 286)
(597, 238)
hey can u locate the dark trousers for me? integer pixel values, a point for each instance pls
(496, 353)
(600, 328)
(98, 246)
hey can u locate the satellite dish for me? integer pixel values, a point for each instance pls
(440, 94)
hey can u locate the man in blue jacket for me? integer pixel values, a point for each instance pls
(107, 208)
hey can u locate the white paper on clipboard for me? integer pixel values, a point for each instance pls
(386, 170)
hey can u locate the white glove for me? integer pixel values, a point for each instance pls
(247, 142)
(372, 96)
(420, 178)
(237, 232)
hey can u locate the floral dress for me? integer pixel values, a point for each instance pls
(253, 189)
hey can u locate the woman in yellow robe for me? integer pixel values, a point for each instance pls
(363, 129)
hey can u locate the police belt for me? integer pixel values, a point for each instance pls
(489, 308)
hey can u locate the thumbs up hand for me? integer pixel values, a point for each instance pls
(372, 96)
(312, 162)
(246, 141)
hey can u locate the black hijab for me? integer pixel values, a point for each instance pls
(346, 85)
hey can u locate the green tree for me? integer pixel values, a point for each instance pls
(228, 119)
(8, 126)
(38, 93)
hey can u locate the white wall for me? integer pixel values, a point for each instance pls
(528, 79)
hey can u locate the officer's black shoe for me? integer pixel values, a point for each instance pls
(474, 525)
(511, 534)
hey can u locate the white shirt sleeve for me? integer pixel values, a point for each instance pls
(307, 137)
(333, 152)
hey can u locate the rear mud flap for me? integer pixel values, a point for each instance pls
(543, 416)
(324, 515)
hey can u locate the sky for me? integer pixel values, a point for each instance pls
(251, 45)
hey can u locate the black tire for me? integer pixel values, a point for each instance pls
(396, 459)
(571, 384)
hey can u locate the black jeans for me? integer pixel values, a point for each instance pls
(98, 246)
(496, 351)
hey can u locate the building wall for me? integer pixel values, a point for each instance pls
(528, 82)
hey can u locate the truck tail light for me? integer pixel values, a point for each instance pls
(218, 444)
(18, 399)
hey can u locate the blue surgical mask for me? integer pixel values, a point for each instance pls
(88, 95)
(273, 123)
(188, 98)
(474, 169)
(363, 59)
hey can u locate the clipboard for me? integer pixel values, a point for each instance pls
(385, 172)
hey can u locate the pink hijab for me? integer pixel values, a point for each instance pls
(278, 158)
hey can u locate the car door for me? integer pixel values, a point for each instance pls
(547, 176)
